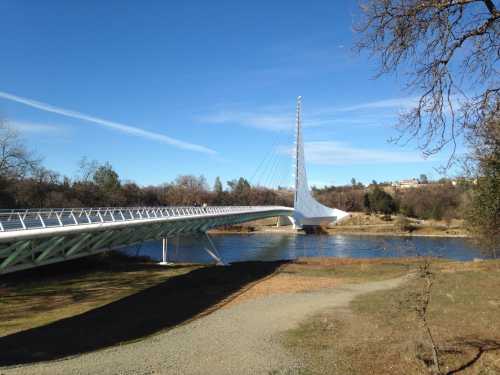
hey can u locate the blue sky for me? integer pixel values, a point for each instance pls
(160, 89)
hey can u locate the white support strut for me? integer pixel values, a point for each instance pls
(164, 258)
(213, 251)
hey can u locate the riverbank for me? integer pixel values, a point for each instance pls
(356, 231)
(362, 224)
(310, 316)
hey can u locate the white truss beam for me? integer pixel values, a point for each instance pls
(32, 238)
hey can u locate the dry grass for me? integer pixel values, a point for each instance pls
(392, 229)
(353, 270)
(310, 274)
(27, 302)
(361, 223)
(374, 224)
(282, 283)
(361, 218)
(377, 335)
(33, 300)
(380, 334)
(172, 301)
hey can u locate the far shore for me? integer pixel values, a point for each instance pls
(360, 224)
(333, 232)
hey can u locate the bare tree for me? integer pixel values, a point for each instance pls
(15, 160)
(35, 190)
(87, 169)
(423, 299)
(450, 51)
(418, 300)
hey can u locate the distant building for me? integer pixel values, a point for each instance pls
(414, 183)
(405, 184)
(464, 181)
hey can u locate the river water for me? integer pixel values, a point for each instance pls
(274, 246)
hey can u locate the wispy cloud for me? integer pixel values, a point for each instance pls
(266, 119)
(31, 127)
(341, 153)
(394, 103)
(259, 120)
(283, 118)
(123, 128)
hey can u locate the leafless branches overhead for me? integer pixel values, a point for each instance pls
(450, 51)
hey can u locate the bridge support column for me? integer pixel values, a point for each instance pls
(285, 220)
(213, 251)
(164, 258)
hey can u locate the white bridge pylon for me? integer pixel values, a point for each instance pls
(32, 238)
(308, 211)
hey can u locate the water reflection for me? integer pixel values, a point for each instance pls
(266, 247)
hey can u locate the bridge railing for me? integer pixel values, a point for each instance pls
(12, 220)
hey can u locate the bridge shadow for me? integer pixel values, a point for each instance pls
(147, 312)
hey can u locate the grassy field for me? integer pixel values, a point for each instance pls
(77, 307)
(34, 298)
(42, 296)
(380, 332)
(352, 270)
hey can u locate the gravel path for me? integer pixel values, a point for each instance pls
(241, 339)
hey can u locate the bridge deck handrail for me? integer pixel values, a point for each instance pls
(26, 219)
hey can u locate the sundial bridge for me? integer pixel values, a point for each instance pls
(32, 238)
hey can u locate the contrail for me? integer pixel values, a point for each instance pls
(132, 130)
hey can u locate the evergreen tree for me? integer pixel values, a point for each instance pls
(379, 201)
(218, 186)
(484, 214)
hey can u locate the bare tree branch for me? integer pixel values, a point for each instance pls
(450, 51)
(491, 7)
(15, 159)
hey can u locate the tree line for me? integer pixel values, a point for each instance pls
(26, 183)
(436, 201)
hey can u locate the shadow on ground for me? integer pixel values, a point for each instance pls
(480, 346)
(109, 262)
(154, 309)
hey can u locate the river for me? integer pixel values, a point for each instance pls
(266, 247)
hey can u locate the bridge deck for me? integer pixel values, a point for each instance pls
(31, 238)
(26, 219)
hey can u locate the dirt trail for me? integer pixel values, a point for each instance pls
(240, 339)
